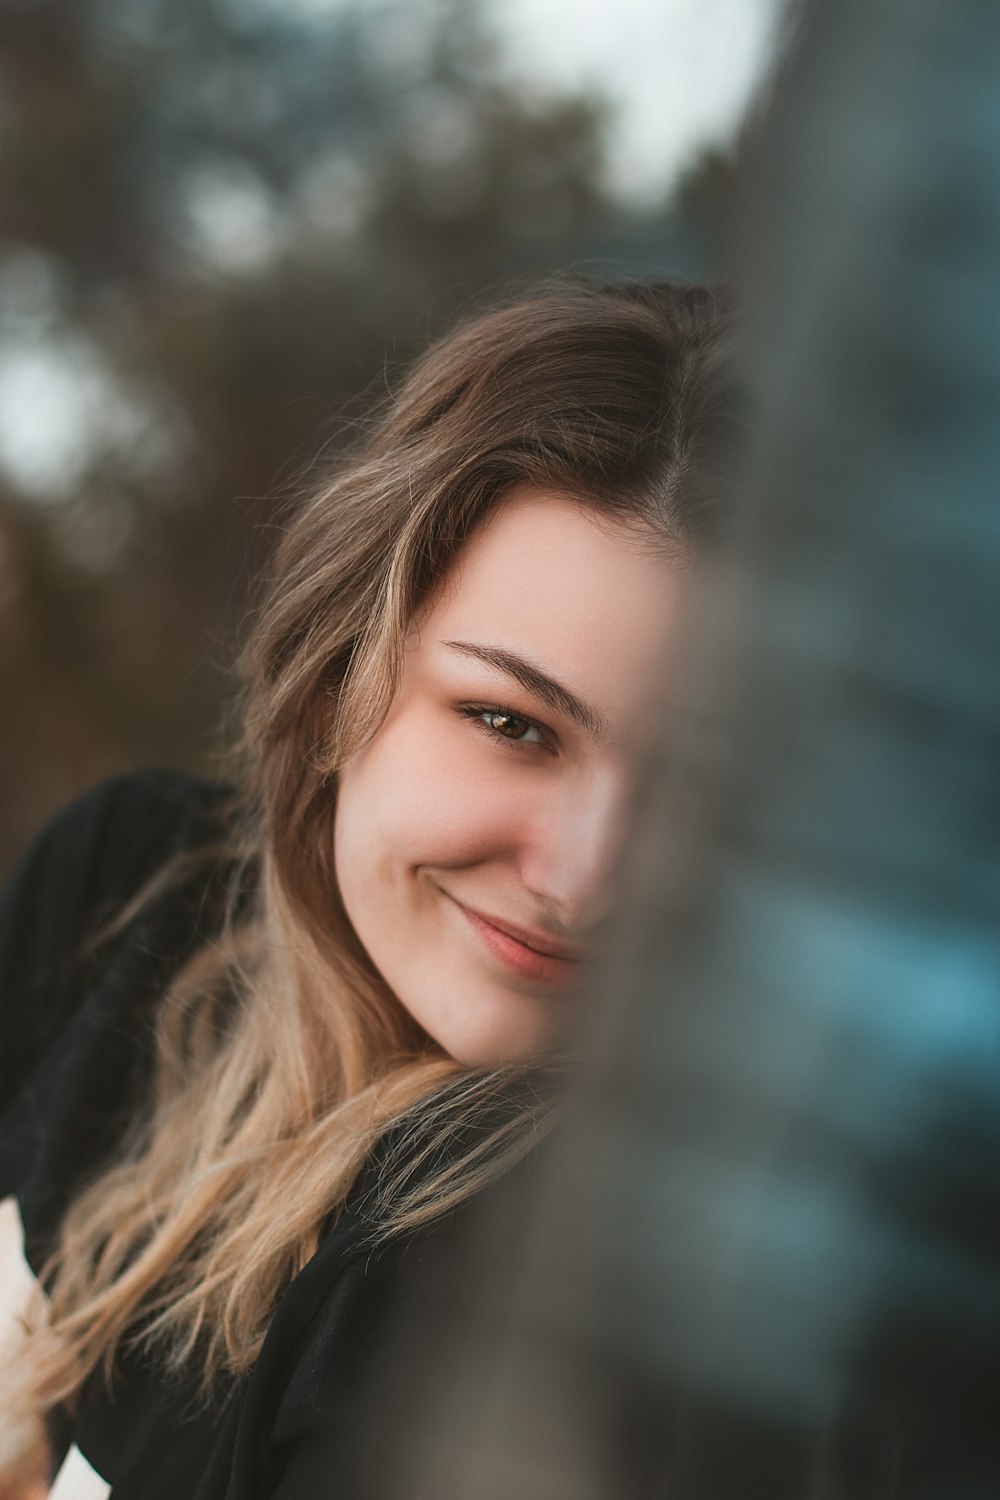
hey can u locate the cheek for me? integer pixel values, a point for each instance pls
(414, 799)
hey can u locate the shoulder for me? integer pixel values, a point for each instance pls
(95, 854)
(97, 849)
(77, 1011)
(123, 823)
(355, 1370)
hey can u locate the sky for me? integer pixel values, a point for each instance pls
(680, 72)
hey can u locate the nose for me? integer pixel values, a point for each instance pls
(571, 854)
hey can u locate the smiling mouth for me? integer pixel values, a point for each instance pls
(506, 947)
(537, 943)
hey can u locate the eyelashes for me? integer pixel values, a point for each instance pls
(481, 713)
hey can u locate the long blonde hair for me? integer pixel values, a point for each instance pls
(281, 1054)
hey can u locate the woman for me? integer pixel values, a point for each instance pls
(320, 1021)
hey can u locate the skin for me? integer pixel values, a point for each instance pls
(437, 818)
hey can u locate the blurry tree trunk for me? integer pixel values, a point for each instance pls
(765, 1258)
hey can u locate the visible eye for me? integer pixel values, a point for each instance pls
(510, 728)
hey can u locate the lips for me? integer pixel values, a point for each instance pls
(515, 948)
(537, 942)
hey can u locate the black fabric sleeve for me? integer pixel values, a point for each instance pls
(93, 855)
(70, 1018)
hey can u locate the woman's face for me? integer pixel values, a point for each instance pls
(476, 833)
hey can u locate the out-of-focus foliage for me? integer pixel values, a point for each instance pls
(220, 221)
(703, 201)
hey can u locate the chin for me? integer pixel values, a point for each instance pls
(489, 1056)
(486, 1046)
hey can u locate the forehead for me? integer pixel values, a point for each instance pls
(578, 594)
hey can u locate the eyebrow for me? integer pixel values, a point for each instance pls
(538, 683)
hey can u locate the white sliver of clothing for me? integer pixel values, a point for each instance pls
(76, 1479)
